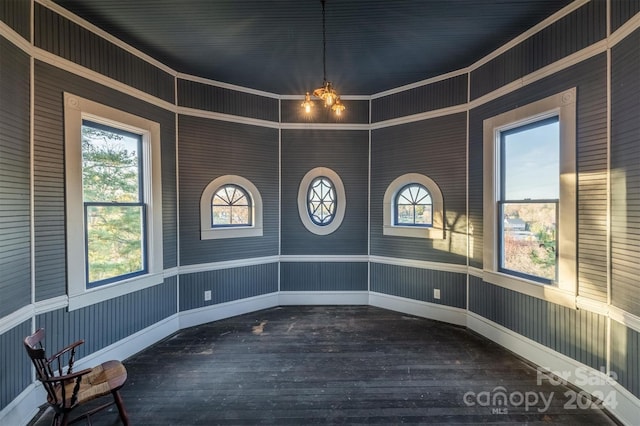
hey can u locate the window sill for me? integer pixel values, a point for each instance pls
(547, 292)
(431, 233)
(110, 291)
(220, 233)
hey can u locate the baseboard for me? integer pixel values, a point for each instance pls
(623, 404)
(323, 298)
(220, 311)
(419, 308)
(21, 410)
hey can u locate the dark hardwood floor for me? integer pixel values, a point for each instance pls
(335, 365)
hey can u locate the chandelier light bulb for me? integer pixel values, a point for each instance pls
(307, 104)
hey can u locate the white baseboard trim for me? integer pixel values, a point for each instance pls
(323, 298)
(419, 308)
(21, 410)
(627, 406)
(220, 311)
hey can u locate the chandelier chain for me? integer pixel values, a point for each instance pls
(324, 45)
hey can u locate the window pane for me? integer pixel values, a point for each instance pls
(321, 201)
(531, 161)
(239, 215)
(414, 206)
(221, 215)
(529, 239)
(114, 241)
(230, 206)
(110, 164)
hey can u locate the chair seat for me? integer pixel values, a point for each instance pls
(102, 380)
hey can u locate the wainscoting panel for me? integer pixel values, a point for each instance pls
(323, 276)
(227, 285)
(15, 366)
(419, 284)
(578, 334)
(107, 322)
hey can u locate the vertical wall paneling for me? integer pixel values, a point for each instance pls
(58, 35)
(15, 191)
(625, 173)
(441, 94)
(346, 153)
(579, 29)
(49, 239)
(418, 284)
(210, 149)
(323, 276)
(207, 97)
(622, 11)
(15, 366)
(357, 112)
(17, 15)
(432, 148)
(227, 285)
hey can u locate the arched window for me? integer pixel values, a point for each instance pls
(413, 206)
(231, 206)
(321, 201)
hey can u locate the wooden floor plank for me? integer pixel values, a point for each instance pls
(332, 365)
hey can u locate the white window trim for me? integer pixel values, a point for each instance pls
(562, 105)
(207, 232)
(341, 200)
(75, 110)
(435, 231)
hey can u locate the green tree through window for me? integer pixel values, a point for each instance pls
(114, 209)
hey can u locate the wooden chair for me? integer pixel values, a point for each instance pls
(68, 390)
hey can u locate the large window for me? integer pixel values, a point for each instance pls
(529, 197)
(113, 202)
(230, 207)
(114, 206)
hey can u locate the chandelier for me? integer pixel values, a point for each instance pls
(326, 93)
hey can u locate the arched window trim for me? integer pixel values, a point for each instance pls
(341, 201)
(210, 232)
(435, 231)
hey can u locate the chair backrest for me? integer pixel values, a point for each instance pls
(35, 350)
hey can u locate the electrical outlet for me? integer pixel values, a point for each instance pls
(207, 295)
(436, 293)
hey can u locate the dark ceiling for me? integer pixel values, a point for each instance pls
(276, 45)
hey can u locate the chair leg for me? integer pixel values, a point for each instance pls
(60, 419)
(120, 404)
